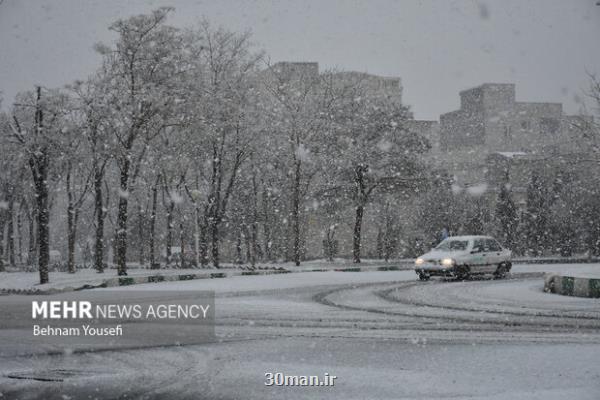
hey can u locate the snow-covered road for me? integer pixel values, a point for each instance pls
(384, 334)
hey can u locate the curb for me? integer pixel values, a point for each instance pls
(136, 280)
(585, 287)
(572, 286)
(556, 260)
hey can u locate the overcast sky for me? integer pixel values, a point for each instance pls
(437, 47)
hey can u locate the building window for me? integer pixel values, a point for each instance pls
(549, 125)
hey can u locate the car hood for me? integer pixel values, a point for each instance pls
(439, 254)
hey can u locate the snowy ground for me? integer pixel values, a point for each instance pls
(384, 334)
(59, 280)
(366, 369)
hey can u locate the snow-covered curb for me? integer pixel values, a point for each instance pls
(555, 260)
(572, 285)
(87, 279)
(91, 282)
(135, 280)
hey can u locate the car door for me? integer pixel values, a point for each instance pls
(478, 262)
(494, 254)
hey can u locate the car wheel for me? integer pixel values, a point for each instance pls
(501, 271)
(463, 272)
(423, 277)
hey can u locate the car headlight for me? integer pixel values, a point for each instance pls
(447, 262)
(419, 261)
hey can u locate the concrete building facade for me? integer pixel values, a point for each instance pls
(296, 70)
(490, 120)
(388, 86)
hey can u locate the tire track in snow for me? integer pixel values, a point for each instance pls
(483, 319)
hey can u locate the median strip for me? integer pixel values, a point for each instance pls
(572, 285)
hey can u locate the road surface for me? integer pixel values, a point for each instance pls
(383, 334)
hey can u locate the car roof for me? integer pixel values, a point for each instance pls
(469, 237)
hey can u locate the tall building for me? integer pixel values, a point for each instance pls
(490, 120)
(390, 87)
(296, 69)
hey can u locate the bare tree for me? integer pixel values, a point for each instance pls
(297, 111)
(221, 136)
(76, 194)
(373, 149)
(37, 129)
(142, 67)
(95, 122)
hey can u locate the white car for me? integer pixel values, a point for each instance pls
(463, 256)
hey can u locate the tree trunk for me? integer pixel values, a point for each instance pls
(122, 218)
(32, 216)
(113, 245)
(142, 258)
(357, 233)
(2, 268)
(204, 246)
(250, 247)
(296, 213)
(181, 244)
(379, 243)
(238, 247)
(256, 250)
(330, 242)
(71, 239)
(255, 246)
(41, 188)
(100, 213)
(153, 222)
(20, 233)
(70, 225)
(170, 209)
(75, 222)
(361, 195)
(11, 229)
(267, 243)
(287, 246)
(266, 228)
(249, 251)
(214, 231)
(39, 163)
(196, 237)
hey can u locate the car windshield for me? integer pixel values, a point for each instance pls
(449, 245)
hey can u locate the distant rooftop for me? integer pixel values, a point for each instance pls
(488, 85)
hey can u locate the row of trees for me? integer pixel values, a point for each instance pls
(558, 213)
(188, 138)
(197, 125)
